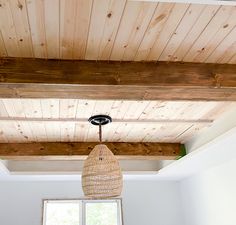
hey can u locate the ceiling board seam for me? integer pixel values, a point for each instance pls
(216, 34)
(41, 108)
(59, 18)
(174, 31)
(74, 30)
(44, 28)
(90, 16)
(1, 37)
(163, 27)
(87, 135)
(130, 34)
(182, 41)
(118, 28)
(103, 31)
(202, 32)
(219, 42)
(31, 40)
(179, 135)
(145, 31)
(19, 49)
(231, 58)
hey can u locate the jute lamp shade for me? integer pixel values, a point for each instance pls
(101, 176)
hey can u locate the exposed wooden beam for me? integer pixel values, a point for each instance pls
(28, 78)
(80, 150)
(85, 120)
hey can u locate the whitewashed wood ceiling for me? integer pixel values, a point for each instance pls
(117, 30)
(47, 120)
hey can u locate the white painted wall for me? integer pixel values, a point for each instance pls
(144, 202)
(209, 198)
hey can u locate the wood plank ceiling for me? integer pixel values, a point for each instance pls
(65, 120)
(117, 30)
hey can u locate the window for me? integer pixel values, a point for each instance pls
(82, 212)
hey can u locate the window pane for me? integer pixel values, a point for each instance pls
(98, 213)
(62, 213)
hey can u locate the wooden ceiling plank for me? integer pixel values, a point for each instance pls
(15, 107)
(201, 23)
(138, 31)
(129, 18)
(8, 30)
(215, 112)
(81, 131)
(135, 110)
(32, 108)
(10, 132)
(110, 29)
(80, 150)
(119, 109)
(50, 108)
(154, 29)
(83, 14)
(24, 130)
(221, 34)
(3, 138)
(131, 80)
(168, 30)
(117, 130)
(67, 27)
(209, 32)
(3, 111)
(102, 107)
(186, 24)
(3, 51)
(165, 132)
(21, 23)
(67, 132)
(36, 16)
(85, 108)
(52, 28)
(39, 131)
(233, 59)
(188, 133)
(68, 108)
(97, 25)
(225, 51)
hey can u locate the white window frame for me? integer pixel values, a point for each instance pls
(82, 212)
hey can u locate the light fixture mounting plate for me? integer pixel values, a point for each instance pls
(100, 119)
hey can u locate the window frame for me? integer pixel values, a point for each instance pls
(82, 203)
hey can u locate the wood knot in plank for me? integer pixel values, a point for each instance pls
(19, 5)
(218, 80)
(109, 15)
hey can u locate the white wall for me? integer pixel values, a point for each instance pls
(210, 198)
(144, 202)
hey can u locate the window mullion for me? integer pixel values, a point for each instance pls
(83, 212)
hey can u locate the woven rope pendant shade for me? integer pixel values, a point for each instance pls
(101, 176)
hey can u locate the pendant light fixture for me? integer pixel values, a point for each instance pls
(101, 176)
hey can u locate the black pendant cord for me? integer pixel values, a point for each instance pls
(100, 132)
(100, 120)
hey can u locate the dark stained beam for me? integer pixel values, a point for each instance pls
(80, 150)
(35, 78)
